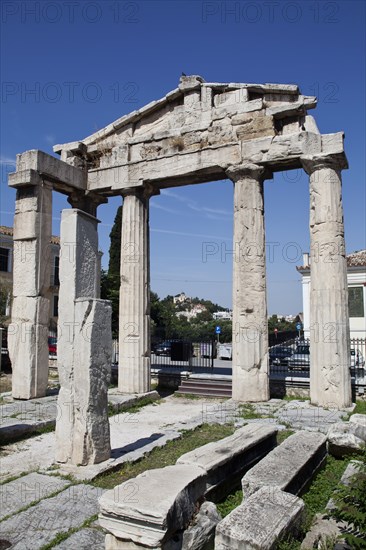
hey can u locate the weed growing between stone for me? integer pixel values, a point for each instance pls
(234, 499)
(350, 501)
(114, 409)
(316, 498)
(65, 535)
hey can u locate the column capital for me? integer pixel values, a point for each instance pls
(87, 202)
(311, 163)
(245, 170)
(144, 191)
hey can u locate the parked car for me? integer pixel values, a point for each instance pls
(357, 359)
(225, 351)
(280, 355)
(301, 358)
(164, 348)
(52, 346)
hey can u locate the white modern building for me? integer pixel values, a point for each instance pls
(223, 315)
(356, 278)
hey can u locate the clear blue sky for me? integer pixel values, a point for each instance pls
(88, 63)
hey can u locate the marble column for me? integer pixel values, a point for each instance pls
(134, 308)
(330, 380)
(84, 345)
(28, 331)
(250, 325)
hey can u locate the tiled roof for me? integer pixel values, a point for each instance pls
(356, 259)
(4, 230)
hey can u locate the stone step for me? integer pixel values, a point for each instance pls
(39, 524)
(20, 492)
(207, 388)
(264, 518)
(204, 392)
(291, 466)
(228, 459)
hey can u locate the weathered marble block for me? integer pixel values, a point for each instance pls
(264, 518)
(226, 460)
(290, 466)
(150, 508)
(347, 437)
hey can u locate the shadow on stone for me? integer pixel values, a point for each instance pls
(116, 453)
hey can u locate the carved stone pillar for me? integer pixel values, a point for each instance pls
(134, 305)
(250, 325)
(330, 381)
(84, 345)
(28, 331)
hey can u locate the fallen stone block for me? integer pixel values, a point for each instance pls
(228, 459)
(151, 508)
(201, 534)
(347, 437)
(266, 517)
(290, 466)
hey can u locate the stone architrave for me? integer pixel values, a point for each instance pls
(330, 379)
(134, 307)
(84, 345)
(28, 331)
(250, 328)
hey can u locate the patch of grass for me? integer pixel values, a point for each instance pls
(114, 409)
(294, 398)
(13, 478)
(34, 502)
(360, 407)
(248, 412)
(323, 486)
(165, 456)
(63, 535)
(231, 502)
(350, 502)
(234, 499)
(282, 435)
(187, 396)
(22, 437)
(289, 544)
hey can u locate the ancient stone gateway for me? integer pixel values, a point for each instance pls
(197, 133)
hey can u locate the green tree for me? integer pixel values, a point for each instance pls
(115, 246)
(110, 281)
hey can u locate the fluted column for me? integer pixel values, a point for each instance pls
(250, 326)
(134, 308)
(330, 381)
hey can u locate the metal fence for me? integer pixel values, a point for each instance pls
(293, 357)
(179, 354)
